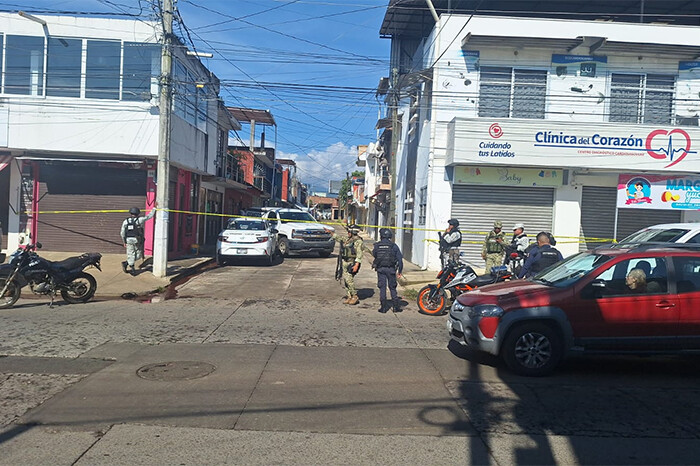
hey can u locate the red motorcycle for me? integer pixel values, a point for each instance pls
(455, 278)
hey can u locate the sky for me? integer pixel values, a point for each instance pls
(314, 64)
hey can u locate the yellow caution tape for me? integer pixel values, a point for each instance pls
(576, 239)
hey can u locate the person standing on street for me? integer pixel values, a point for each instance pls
(544, 256)
(494, 246)
(451, 240)
(133, 237)
(349, 262)
(388, 262)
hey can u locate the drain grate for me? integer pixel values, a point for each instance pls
(175, 370)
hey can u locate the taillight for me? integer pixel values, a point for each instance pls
(262, 239)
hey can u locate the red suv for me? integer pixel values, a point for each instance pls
(639, 299)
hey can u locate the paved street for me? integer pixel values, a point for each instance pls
(265, 365)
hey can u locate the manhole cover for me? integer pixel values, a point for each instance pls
(175, 370)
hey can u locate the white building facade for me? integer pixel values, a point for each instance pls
(79, 119)
(586, 129)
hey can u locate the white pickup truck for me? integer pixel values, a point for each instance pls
(298, 231)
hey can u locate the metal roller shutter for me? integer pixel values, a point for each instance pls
(598, 206)
(598, 216)
(477, 207)
(83, 188)
(631, 220)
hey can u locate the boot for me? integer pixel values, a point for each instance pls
(397, 306)
(353, 300)
(124, 264)
(383, 307)
(132, 271)
(347, 298)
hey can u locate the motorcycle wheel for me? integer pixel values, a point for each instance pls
(80, 290)
(11, 294)
(431, 307)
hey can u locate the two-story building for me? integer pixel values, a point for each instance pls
(584, 127)
(79, 121)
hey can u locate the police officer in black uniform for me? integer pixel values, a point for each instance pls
(542, 257)
(388, 262)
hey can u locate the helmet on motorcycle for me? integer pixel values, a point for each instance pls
(385, 233)
(135, 211)
(454, 222)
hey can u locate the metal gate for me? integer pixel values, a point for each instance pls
(598, 207)
(477, 207)
(87, 188)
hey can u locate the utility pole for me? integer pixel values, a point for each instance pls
(160, 242)
(394, 102)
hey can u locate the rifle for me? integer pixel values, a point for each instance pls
(339, 264)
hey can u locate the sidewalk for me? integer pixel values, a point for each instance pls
(112, 282)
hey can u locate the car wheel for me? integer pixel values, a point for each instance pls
(532, 349)
(283, 247)
(220, 260)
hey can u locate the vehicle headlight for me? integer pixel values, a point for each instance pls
(223, 239)
(486, 310)
(459, 307)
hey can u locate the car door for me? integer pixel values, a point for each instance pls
(612, 315)
(686, 271)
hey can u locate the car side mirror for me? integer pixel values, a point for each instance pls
(274, 231)
(38, 245)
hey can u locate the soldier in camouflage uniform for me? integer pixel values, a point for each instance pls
(351, 258)
(493, 251)
(132, 237)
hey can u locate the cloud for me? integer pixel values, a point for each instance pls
(319, 166)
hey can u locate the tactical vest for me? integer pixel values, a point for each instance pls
(454, 244)
(492, 246)
(548, 256)
(133, 229)
(385, 255)
(349, 251)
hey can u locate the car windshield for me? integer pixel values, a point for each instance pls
(656, 235)
(571, 270)
(246, 225)
(296, 217)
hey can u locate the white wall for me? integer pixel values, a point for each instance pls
(567, 218)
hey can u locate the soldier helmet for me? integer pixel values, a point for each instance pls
(454, 222)
(498, 224)
(134, 211)
(518, 225)
(354, 229)
(385, 233)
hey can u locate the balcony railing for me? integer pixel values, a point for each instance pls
(262, 184)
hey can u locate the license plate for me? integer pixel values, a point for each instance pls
(242, 251)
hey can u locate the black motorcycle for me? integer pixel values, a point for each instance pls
(46, 277)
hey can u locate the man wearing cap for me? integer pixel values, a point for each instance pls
(451, 240)
(520, 241)
(350, 260)
(493, 250)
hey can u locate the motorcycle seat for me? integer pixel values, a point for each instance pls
(68, 264)
(482, 280)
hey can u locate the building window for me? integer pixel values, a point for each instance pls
(24, 65)
(103, 69)
(642, 98)
(512, 93)
(422, 204)
(141, 71)
(63, 67)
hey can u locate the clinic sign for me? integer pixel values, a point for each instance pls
(658, 192)
(573, 145)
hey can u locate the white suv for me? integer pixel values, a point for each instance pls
(666, 233)
(298, 231)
